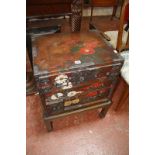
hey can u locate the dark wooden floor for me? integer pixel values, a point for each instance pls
(84, 133)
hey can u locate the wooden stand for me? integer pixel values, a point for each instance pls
(74, 86)
(104, 111)
(49, 125)
(105, 106)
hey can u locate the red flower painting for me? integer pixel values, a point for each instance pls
(89, 47)
(87, 51)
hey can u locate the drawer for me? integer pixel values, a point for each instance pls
(91, 85)
(75, 100)
(77, 93)
(69, 80)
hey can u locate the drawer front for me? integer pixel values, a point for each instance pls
(80, 93)
(72, 90)
(80, 100)
(91, 85)
(69, 80)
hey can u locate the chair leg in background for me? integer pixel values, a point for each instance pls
(114, 12)
(123, 98)
(91, 16)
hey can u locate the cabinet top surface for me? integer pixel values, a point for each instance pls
(70, 51)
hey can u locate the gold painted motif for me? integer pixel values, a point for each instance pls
(68, 103)
(75, 101)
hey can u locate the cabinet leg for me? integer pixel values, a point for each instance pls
(103, 112)
(49, 125)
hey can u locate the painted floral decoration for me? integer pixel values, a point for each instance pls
(87, 51)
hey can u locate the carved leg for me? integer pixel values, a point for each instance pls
(103, 111)
(49, 125)
(114, 12)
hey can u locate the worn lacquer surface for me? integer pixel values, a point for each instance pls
(57, 53)
(73, 69)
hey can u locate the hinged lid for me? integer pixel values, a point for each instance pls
(65, 52)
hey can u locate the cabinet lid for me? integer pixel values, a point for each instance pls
(66, 52)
